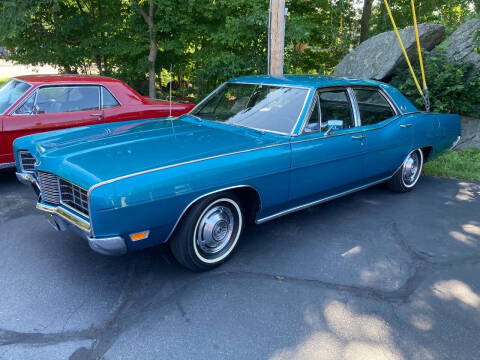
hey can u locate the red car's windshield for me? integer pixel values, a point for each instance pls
(11, 92)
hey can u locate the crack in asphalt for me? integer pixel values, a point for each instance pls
(139, 293)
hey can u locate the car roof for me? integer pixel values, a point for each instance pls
(47, 79)
(308, 81)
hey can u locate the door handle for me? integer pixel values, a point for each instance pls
(100, 115)
(406, 125)
(361, 137)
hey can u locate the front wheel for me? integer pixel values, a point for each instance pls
(209, 232)
(409, 173)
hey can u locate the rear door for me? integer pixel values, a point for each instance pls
(52, 108)
(389, 135)
(326, 164)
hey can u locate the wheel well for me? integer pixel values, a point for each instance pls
(248, 196)
(427, 151)
(250, 200)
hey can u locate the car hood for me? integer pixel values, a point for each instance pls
(91, 154)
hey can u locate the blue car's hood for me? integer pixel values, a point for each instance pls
(88, 155)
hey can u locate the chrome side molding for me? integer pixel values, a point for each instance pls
(316, 202)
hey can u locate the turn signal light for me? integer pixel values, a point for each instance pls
(140, 236)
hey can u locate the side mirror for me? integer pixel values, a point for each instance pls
(312, 127)
(333, 125)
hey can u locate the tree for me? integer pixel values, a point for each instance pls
(365, 20)
(72, 35)
(149, 19)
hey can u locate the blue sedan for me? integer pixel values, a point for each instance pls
(256, 148)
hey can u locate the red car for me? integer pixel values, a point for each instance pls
(39, 103)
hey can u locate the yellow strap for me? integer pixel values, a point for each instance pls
(418, 45)
(403, 48)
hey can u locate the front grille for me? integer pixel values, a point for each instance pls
(55, 190)
(27, 160)
(49, 187)
(74, 197)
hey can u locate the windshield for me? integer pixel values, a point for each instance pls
(261, 107)
(11, 92)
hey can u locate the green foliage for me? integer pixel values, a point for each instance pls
(447, 12)
(3, 81)
(456, 164)
(453, 87)
(205, 41)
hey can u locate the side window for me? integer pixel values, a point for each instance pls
(27, 107)
(314, 120)
(57, 99)
(335, 105)
(108, 101)
(374, 108)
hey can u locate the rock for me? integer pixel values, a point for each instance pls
(470, 133)
(461, 45)
(378, 57)
(4, 53)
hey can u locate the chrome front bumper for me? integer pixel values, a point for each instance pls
(62, 219)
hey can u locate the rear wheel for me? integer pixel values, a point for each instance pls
(209, 232)
(409, 173)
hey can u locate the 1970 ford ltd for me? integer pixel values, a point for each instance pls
(38, 103)
(257, 148)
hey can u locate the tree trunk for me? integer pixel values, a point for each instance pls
(365, 21)
(152, 57)
(98, 61)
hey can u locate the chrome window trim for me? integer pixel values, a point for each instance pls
(384, 94)
(207, 194)
(327, 89)
(80, 84)
(32, 94)
(314, 103)
(101, 99)
(258, 84)
(355, 108)
(22, 81)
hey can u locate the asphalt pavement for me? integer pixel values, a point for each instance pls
(374, 275)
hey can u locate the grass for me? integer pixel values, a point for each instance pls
(456, 164)
(3, 81)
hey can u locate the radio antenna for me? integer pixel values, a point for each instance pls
(170, 90)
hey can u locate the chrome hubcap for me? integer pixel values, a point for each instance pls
(215, 229)
(411, 169)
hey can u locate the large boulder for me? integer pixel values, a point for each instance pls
(461, 44)
(3, 52)
(470, 133)
(378, 57)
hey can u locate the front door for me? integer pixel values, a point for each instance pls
(327, 161)
(52, 108)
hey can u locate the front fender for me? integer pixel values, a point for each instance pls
(156, 200)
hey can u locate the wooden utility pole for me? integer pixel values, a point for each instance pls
(276, 37)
